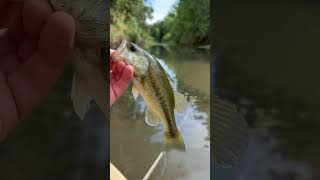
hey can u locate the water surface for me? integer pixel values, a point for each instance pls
(135, 146)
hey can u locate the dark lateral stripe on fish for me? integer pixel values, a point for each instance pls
(165, 106)
(159, 95)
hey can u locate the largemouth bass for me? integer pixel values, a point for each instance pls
(90, 69)
(153, 83)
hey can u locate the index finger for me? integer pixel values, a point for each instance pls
(111, 52)
(35, 77)
(115, 59)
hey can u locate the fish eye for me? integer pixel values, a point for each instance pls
(132, 48)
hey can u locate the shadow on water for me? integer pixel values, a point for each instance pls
(55, 144)
(135, 145)
(268, 67)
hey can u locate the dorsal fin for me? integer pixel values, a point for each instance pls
(166, 72)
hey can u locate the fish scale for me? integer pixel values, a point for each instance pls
(167, 105)
(156, 93)
(151, 81)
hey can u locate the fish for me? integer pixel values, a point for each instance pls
(88, 56)
(154, 85)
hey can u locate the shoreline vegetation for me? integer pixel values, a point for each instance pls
(187, 24)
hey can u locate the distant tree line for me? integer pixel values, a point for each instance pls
(188, 23)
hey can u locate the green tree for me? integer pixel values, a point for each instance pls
(132, 8)
(128, 21)
(188, 23)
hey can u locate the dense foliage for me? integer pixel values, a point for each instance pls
(128, 21)
(188, 23)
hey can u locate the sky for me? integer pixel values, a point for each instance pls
(161, 8)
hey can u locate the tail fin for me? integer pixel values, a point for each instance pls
(173, 141)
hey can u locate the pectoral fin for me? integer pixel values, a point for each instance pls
(80, 97)
(230, 133)
(151, 119)
(135, 93)
(181, 102)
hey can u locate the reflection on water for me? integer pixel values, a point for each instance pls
(55, 144)
(135, 146)
(268, 67)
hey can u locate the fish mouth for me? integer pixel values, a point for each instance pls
(122, 46)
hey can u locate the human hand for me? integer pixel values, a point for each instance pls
(120, 77)
(34, 44)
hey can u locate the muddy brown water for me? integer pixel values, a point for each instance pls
(135, 146)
